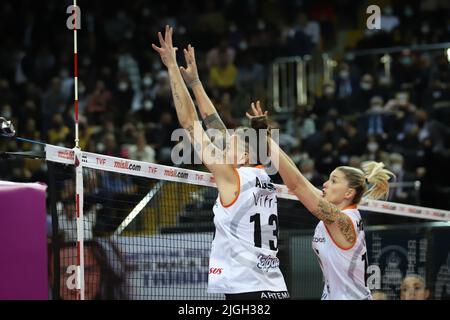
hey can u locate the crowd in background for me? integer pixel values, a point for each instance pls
(124, 93)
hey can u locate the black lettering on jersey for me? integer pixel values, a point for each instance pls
(360, 225)
(263, 185)
(318, 239)
(263, 201)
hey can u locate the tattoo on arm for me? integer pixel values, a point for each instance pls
(190, 129)
(176, 95)
(345, 225)
(329, 213)
(213, 121)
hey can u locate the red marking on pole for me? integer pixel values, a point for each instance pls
(75, 60)
(78, 205)
(76, 110)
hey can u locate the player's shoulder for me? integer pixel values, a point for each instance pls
(352, 212)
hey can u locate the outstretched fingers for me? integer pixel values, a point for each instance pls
(258, 106)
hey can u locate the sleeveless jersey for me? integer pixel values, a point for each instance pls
(344, 269)
(245, 246)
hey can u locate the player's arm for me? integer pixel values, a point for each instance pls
(207, 110)
(224, 174)
(339, 223)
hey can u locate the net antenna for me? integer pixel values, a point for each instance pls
(138, 208)
(78, 168)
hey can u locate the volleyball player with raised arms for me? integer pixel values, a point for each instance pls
(339, 239)
(243, 262)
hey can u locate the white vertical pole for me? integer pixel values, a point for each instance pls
(78, 171)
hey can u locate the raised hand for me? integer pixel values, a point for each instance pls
(190, 74)
(166, 51)
(257, 111)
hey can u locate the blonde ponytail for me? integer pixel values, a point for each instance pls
(377, 179)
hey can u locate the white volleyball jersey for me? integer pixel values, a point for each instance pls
(344, 269)
(245, 246)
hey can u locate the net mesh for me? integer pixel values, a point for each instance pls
(150, 239)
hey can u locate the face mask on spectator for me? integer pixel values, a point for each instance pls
(437, 94)
(81, 89)
(329, 91)
(6, 114)
(425, 29)
(372, 146)
(344, 74)
(397, 167)
(406, 60)
(365, 85)
(123, 86)
(148, 105)
(402, 99)
(147, 81)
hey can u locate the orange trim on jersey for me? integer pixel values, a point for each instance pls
(239, 191)
(352, 206)
(259, 166)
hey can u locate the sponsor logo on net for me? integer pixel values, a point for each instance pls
(214, 270)
(69, 155)
(152, 169)
(100, 161)
(122, 164)
(267, 262)
(175, 173)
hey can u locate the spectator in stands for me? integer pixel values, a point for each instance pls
(375, 117)
(141, 150)
(309, 27)
(413, 287)
(326, 102)
(307, 167)
(389, 21)
(111, 148)
(360, 99)
(301, 124)
(58, 131)
(213, 56)
(98, 102)
(53, 101)
(223, 77)
(396, 163)
(345, 82)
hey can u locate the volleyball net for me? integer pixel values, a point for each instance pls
(147, 230)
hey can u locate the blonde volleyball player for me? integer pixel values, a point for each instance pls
(339, 240)
(243, 262)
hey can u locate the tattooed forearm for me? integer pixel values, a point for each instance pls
(190, 130)
(326, 211)
(176, 95)
(345, 225)
(213, 121)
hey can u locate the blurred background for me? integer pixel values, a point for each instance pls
(353, 101)
(340, 93)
